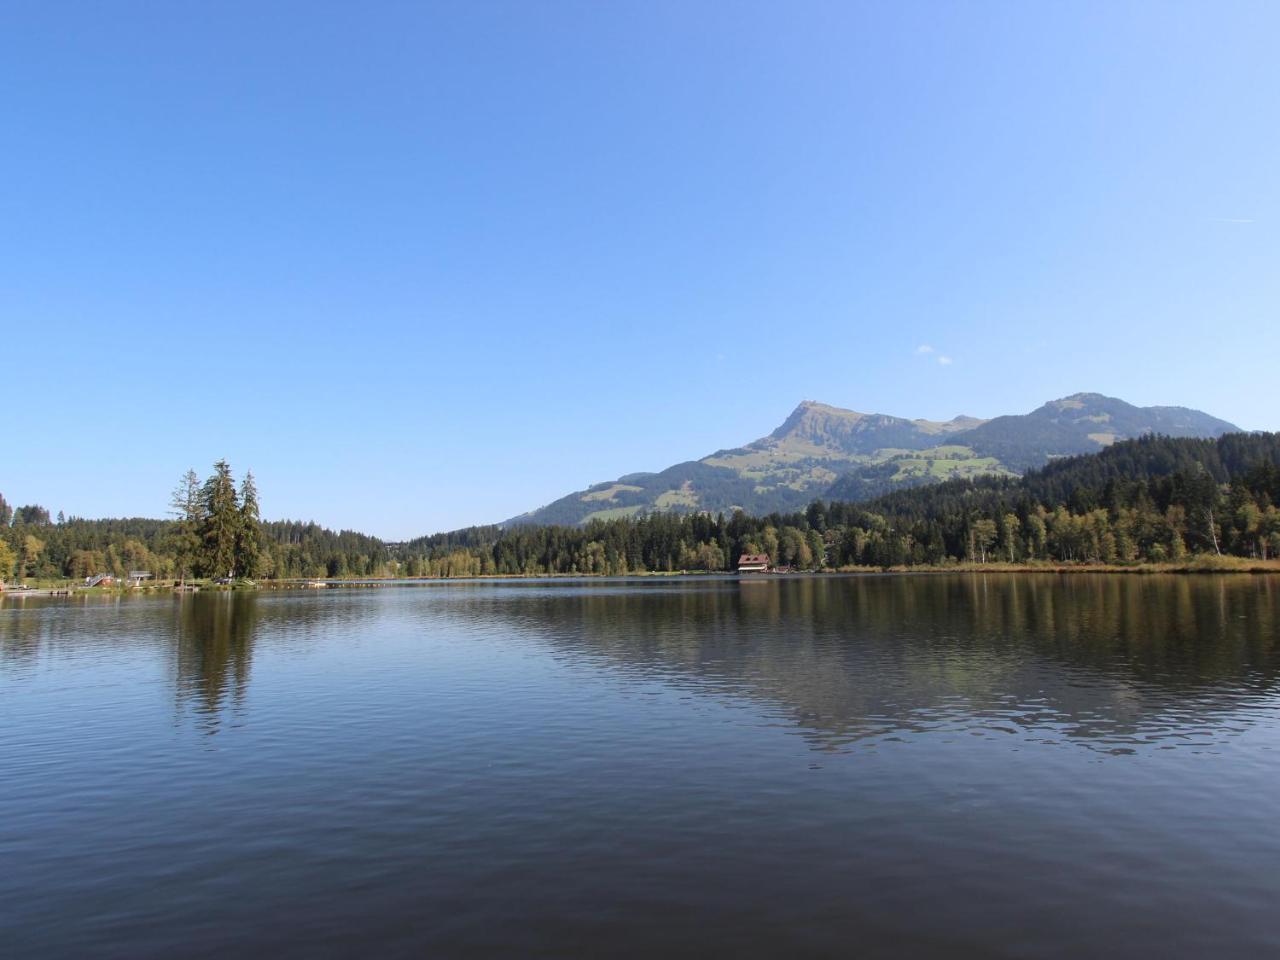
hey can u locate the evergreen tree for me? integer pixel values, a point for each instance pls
(1198, 492)
(184, 541)
(219, 523)
(249, 531)
(33, 515)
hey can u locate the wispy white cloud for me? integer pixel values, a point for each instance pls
(944, 361)
(924, 348)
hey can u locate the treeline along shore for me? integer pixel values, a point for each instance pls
(1154, 502)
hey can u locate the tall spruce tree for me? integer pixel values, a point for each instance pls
(220, 522)
(249, 531)
(1199, 492)
(184, 541)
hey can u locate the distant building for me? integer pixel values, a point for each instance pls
(137, 576)
(753, 563)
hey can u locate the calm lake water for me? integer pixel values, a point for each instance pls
(968, 765)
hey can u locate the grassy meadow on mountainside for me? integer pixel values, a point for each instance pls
(824, 452)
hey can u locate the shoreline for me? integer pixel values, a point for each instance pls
(1195, 565)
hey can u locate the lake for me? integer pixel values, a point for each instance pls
(952, 765)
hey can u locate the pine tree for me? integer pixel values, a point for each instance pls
(1200, 492)
(184, 542)
(249, 531)
(220, 522)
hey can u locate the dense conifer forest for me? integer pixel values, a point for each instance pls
(1152, 500)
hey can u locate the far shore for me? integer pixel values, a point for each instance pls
(1193, 565)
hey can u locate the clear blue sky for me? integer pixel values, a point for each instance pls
(423, 265)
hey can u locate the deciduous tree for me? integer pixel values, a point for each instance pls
(7, 560)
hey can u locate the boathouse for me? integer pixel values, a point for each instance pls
(753, 563)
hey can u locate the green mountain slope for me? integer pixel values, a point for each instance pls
(1084, 423)
(824, 451)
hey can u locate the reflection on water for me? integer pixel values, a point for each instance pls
(213, 652)
(1104, 661)
(1099, 660)
(1027, 766)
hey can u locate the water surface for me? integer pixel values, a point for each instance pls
(969, 765)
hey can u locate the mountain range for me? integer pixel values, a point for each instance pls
(826, 452)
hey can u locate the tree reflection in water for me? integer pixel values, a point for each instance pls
(214, 637)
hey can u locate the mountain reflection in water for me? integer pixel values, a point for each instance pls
(1108, 662)
(885, 766)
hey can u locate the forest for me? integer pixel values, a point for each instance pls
(1149, 500)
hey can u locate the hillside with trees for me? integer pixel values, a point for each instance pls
(825, 452)
(1152, 500)
(1149, 500)
(217, 533)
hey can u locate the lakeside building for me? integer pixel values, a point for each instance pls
(753, 563)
